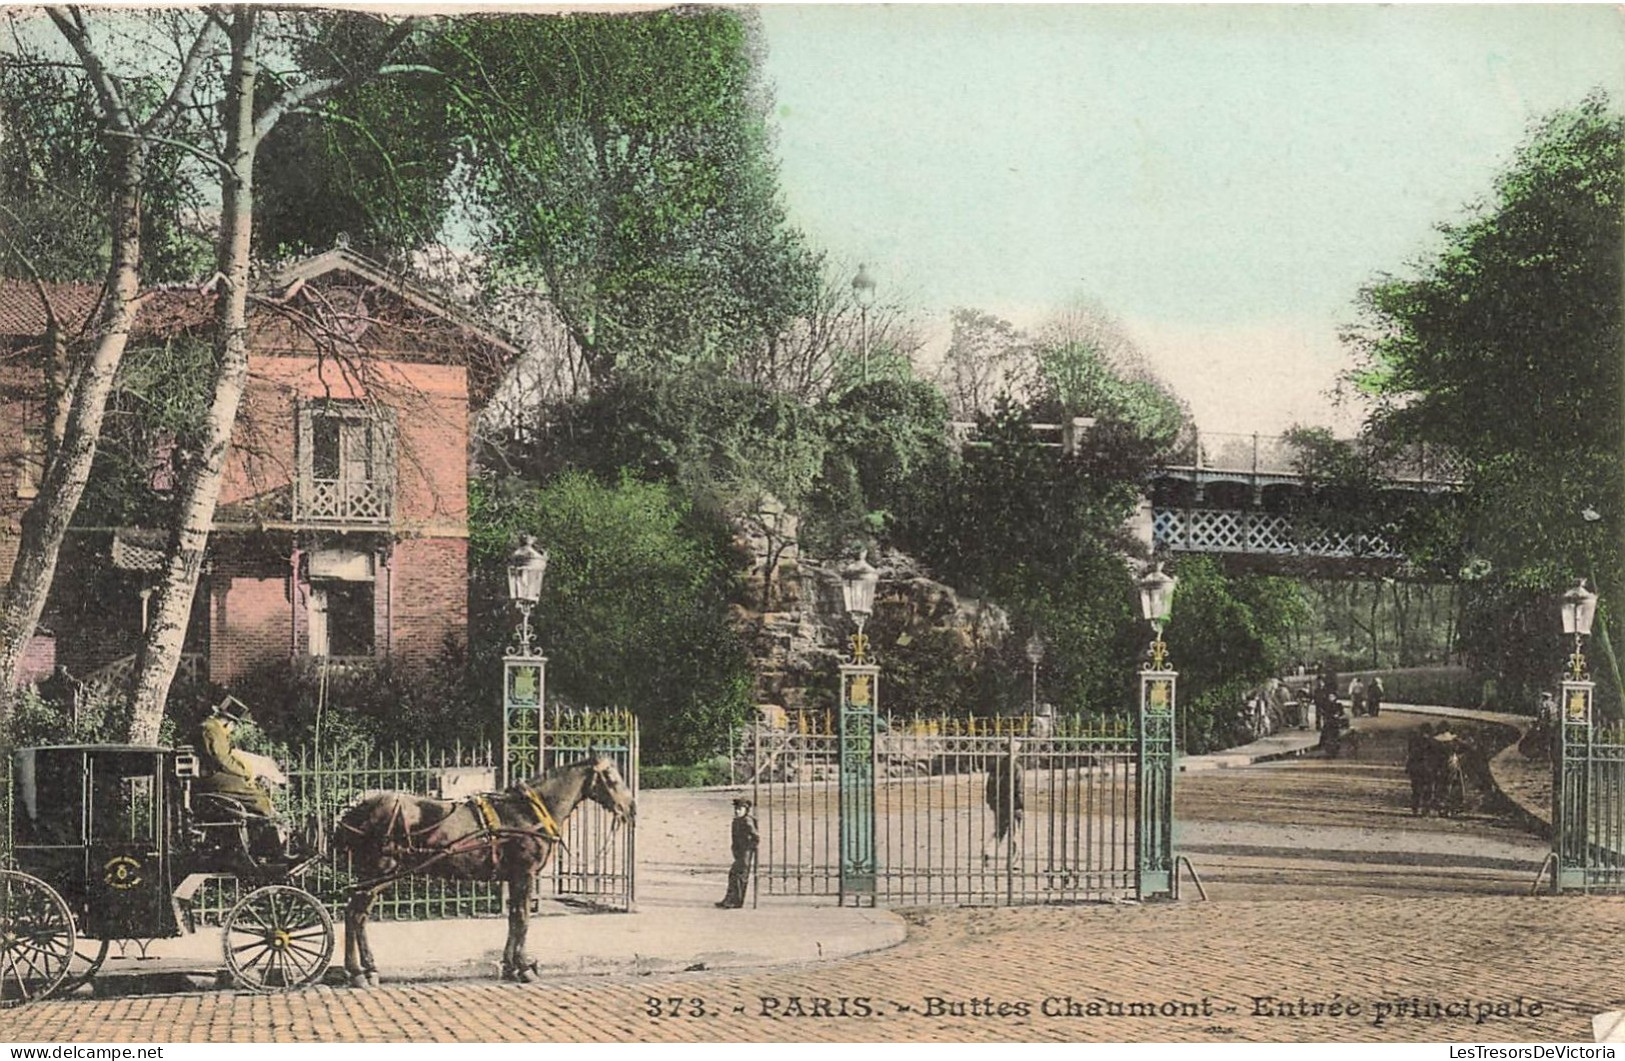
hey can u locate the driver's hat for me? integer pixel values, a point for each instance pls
(232, 710)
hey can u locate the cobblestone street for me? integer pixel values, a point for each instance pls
(1543, 955)
(1334, 916)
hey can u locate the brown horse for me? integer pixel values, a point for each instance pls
(506, 836)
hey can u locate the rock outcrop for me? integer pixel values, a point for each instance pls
(800, 636)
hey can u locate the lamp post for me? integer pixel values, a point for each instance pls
(860, 694)
(1035, 656)
(524, 669)
(1571, 788)
(863, 290)
(1154, 847)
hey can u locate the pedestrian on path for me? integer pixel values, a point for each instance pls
(1373, 697)
(745, 840)
(1416, 767)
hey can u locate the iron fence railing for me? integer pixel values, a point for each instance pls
(1595, 826)
(951, 826)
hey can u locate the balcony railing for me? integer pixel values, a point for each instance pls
(343, 501)
(115, 677)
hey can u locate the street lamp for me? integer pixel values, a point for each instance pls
(1035, 656)
(863, 290)
(526, 568)
(1156, 602)
(858, 582)
(1155, 778)
(1579, 610)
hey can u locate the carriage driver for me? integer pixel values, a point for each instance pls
(221, 769)
(225, 772)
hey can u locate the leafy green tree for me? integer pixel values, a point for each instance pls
(886, 457)
(623, 162)
(1505, 346)
(634, 610)
(1040, 533)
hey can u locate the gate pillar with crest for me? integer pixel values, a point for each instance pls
(1154, 856)
(860, 691)
(855, 752)
(524, 682)
(1571, 789)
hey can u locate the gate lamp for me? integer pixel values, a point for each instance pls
(526, 568)
(1579, 609)
(858, 582)
(1156, 602)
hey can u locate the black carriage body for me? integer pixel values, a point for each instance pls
(99, 823)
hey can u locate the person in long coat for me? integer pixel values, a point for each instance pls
(744, 841)
(220, 769)
(1004, 798)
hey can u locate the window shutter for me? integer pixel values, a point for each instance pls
(303, 449)
(383, 455)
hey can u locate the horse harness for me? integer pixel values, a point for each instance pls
(491, 832)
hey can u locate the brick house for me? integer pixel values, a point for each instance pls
(341, 530)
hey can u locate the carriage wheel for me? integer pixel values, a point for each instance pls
(36, 939)
(278, 938)
(88, 955)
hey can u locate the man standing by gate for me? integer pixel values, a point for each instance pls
(1004, 799)
(745, 839)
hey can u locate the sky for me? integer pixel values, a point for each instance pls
(1223, 179)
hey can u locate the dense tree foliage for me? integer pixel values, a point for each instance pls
(1505, 346)
(634, 608)
(623, 163)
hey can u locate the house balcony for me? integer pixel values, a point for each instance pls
(343, 502)
(115, 678)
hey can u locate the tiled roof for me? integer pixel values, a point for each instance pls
(169, 311)
(165, 311)
(22, 314)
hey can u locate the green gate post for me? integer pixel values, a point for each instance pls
(1154, 775)
(524, 682)
(860, 693)
(1154, 826)
(1571, 783)
(1571, 789)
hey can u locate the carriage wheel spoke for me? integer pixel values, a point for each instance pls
(291, 956)
(264, 949)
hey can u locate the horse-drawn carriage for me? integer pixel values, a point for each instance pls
(110, 843)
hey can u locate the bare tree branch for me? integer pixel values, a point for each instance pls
(183, 81)
(298, 95)
(71, 24)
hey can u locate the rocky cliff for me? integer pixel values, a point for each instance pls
(801, 634)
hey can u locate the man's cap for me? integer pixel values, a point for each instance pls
(741, 801)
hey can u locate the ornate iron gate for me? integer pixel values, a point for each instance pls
(597, 864)
(965, 811)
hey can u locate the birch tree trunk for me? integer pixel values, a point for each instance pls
(201, 481)
(245, 127)
(67, 470)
